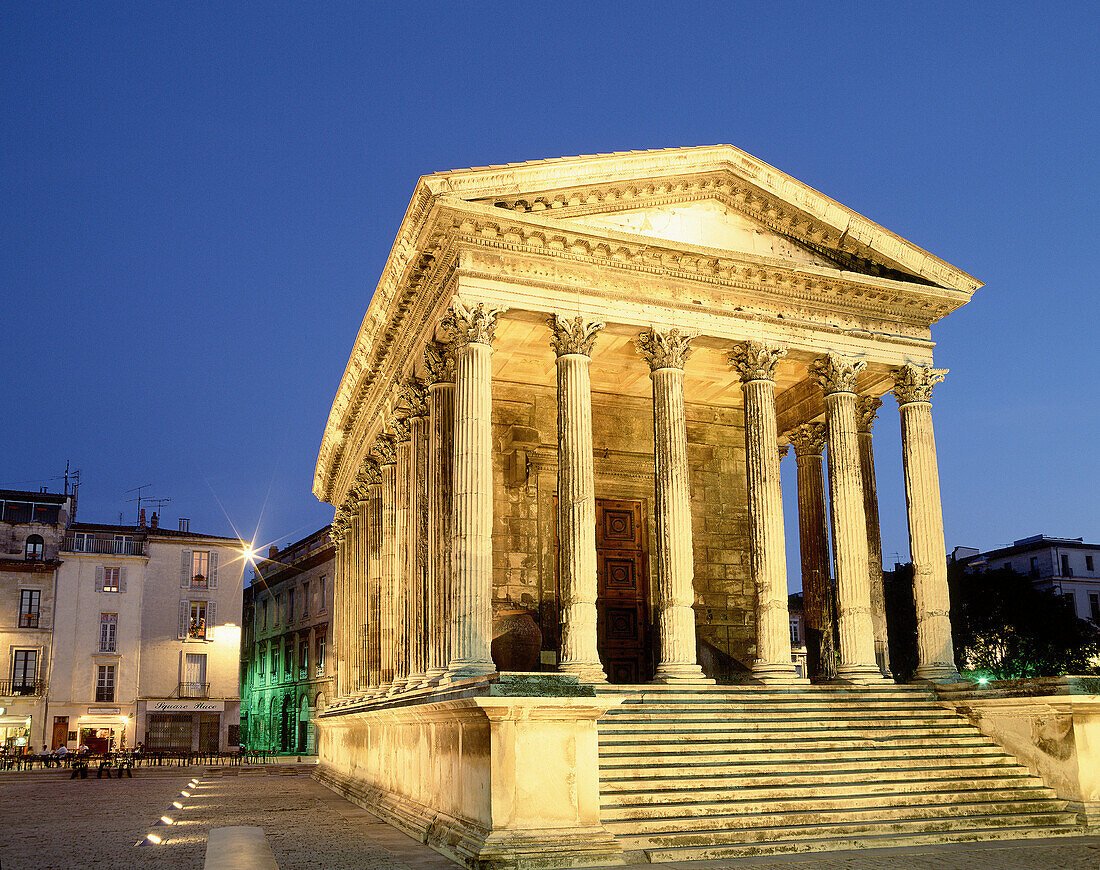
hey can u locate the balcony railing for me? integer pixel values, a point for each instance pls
(194, 690)
(103, 546)
(16, 688)
(28, 620)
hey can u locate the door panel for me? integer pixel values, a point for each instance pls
(622, 634)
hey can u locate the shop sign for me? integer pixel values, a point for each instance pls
(185, 706)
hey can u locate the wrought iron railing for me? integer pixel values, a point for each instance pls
(14, 688)
(194, 690)
(28, 620)
(103, 546)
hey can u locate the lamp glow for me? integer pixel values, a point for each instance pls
(177, 805)
(185, 793)
(153, 838)
(166, 819)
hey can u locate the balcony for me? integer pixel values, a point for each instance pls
(194, 690)
(102, 546)
(21, 688)
(28, 620)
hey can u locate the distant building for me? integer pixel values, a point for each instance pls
(31, 527)
(146, 638)
(287, 671)
(1067, 566)
(797, 622)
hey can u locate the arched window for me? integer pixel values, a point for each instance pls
(35, 547)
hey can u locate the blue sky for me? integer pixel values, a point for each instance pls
(196, 202)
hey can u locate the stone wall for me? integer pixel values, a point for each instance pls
(525, 486)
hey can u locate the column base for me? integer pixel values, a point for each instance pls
(864, 674)
(468, 670)
(669, 673)
(585, 672)
(399, 685)
(435, 676)
(939, 674)
(780, 673)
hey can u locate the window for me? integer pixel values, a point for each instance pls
(194, 676)
(1088, 563)
(274, 663)
(79, 545)
(1094, 606)
(123, 545)
(112, 579)
(24, 669)
(105, 684)
(108, 632)
(261, 662)
(1034, 566)
(1067, 571)
(200, 569)
(794, 631)
(305, 599)
(1071, 601)
(290, 604)
(197, 627)
(28, 607)
(303, 660)
(321, 594)
(278, 607)
(35, 546)
(319, 659)
(288, 660)
(263, 609)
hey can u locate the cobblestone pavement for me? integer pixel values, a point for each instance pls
(49, 821)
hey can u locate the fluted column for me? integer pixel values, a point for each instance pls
(837, 376)
(866, 410)
(819, 606)
(440, 363)
(401, 634)
(935, 651)
(339, 599)
(666, 353)
(385, 452)
(473, 328)
(415, 401)
(756, 363)
(356, 584)
(572, 342)
(374, 579)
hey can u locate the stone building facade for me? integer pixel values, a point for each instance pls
(31, 527)
(569, 395)
(286, 670)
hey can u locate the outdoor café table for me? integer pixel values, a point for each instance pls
(80, 768)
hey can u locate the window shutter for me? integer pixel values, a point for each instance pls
(213, 569)
(185, 617)
(211, 616)
(98, 578)
(122, 579)
(185, 569)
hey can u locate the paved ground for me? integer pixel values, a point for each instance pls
(49, 821)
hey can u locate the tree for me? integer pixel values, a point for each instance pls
(1002, 625)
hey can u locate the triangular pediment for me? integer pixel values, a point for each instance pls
(706, 222)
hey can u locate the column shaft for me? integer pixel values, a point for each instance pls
(441, 399)
(866, 408)
(388, 610)
(374, 585)
(401, 635)
(416, 553)
(935, 650)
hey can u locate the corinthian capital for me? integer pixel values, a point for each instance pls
(837, 374)
(414, 397)
(401, 429)
(914, 383)
(472, 324)
(439, 359)
(369, 472)
(808, 439)
(573, 336)
(384, 451)
(866, 412)
(755, 360)
(664, 350)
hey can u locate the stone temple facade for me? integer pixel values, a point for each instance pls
(569, 396)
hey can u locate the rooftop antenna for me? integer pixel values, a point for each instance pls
(138, 499)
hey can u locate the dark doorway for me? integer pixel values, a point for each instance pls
(622, 589)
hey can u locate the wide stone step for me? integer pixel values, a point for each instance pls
(746, 690)
(670, 780)
(702, 740)
(772, 820)
(697, 764)
(761, 800)
(860, 842)
(766, 752)
(806, 832)
(798, 711)
(792, 726)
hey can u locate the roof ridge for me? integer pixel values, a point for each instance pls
(551, 160)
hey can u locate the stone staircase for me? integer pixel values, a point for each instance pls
(722, 772)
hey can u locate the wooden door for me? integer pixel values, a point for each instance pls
(622, 584)
(60, 731)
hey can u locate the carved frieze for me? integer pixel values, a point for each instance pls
(836, 373)
(664, 350)
(573, 335)
(915, 383)
(756, 360)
